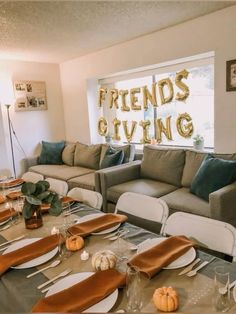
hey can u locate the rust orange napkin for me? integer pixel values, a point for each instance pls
(28, 252)
(14, 195)
(6, 214)
(84, 294)
(2, 199)
(153, 260)
(9, 184)
(98, 224)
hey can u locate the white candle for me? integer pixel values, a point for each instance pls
(84, 256)
(54, 230)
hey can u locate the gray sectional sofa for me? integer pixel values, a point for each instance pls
(168, 173)
(80, 164)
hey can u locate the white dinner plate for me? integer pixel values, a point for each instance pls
(34, 262)
(234, 293)
(101, 307)
(11, 184)
(93, 216)
(182, 261)
(5, 221)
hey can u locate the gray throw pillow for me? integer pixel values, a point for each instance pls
(68, 154)
(87, 156)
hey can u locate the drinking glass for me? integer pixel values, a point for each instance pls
(221, 298)
(133, 289)
(18, 207)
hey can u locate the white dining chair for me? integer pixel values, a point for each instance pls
(58, 186)
(143, 206)
(88, 197)
(32, 177)
(213, 234)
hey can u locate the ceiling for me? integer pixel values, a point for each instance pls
(55, 31)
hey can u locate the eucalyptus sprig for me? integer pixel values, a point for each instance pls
(37, 194)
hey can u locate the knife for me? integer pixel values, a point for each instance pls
(63, 274)
(189, 267)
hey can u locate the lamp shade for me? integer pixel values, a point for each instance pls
(6, 90)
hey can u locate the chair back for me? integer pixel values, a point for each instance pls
(209, 233)
(32, 177)
(143, 206)
(58, 186)
(88, 197)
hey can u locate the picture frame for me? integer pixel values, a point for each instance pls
(30, 95)
(231, 75)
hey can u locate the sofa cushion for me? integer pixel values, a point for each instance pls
(86, 181)
(142, 186)
(213, 174)
(193, 162)
(129, 151)
(68, 154)
(62, 172)
(51, 153)
(164, 165)
(87, 156)
(183, 200)
(112, 158)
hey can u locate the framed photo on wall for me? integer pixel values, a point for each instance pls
(30, 95)
(231, 75)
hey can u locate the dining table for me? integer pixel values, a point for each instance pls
(19, 293)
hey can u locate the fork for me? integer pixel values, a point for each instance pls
(194, 272)
(119, 235)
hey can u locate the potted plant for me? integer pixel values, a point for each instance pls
(198, 142)
(37, 194)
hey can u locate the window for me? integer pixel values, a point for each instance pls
(199, 105)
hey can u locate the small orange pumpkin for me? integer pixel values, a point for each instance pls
(166, 299)
(74, 243)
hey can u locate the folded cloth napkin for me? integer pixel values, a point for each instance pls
(14, 195)
(29, 252)
(150, 262)
(98, 224)
(2, 199)
(6, 214)
(84, 294)
(8, 184)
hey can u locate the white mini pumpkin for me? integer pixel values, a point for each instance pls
(103, 260)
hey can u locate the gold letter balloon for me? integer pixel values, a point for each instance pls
(102, 126)
(185, 130)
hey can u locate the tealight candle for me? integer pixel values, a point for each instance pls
(54, 230)
(84, 256)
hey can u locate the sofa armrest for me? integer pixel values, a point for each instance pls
(222, 204)
(117, 175)
(97, 182)
(29, 162)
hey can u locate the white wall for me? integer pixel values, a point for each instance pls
(213, 32)
(31, 127)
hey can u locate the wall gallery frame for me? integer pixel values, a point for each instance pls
(30, 95)
(231, 75)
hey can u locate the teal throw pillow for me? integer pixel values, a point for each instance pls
(213, 174)
(51, 153)
(112, 157)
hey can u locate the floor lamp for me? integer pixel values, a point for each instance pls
(10, 133)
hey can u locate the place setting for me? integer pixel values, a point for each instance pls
(11, 183)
